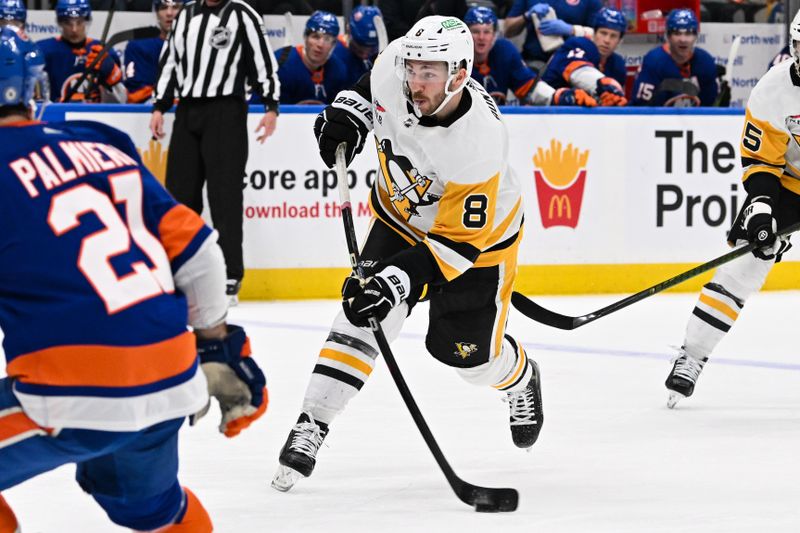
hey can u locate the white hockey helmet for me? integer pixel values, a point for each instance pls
(794, 39)
(437, 38)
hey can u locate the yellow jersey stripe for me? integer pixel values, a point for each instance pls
(498, 233)
(791, 183)
(520, 367)
(763, 141)
(449, 272)
(752, 169)
(453, 210)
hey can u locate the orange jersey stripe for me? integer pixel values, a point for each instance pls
(572, 67)
(15, 424)
(106, 366)
(177, 229)
(524, 89)
(140, 95)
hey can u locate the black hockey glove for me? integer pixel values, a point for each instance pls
(375, 296)
(348, 119)
(761, 226)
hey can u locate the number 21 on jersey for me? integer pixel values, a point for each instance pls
(97, 249)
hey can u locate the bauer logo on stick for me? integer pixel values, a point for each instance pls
(560, 176)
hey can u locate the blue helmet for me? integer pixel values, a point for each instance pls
(69, 9)
(480, 15)
(611, 19)
(13, 10)
(322, 22)
(681, 19)
(21, 68)
(362, 25)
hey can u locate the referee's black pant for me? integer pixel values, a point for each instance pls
(209, 145)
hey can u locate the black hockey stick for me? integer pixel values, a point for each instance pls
(145, 32)
(538, 313)
(484, 499)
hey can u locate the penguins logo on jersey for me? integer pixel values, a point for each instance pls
(465, 349)
(408, 189)
(793, 125)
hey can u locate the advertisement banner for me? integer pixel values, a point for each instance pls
(633, 192)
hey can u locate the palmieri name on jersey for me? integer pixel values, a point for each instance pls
(51, 166)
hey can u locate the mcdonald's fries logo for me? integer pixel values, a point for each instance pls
(560, 176)
(155, 159)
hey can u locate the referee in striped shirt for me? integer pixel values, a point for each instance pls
(215, 46)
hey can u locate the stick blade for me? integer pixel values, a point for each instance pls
(532, 310)
(489, 500)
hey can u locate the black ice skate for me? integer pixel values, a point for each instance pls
(526, 415)
(232, 288)
(682, 378)
(299, 454)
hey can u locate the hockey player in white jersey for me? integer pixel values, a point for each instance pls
(770, 152)
(447, 221)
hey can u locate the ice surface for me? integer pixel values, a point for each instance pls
(611, 456)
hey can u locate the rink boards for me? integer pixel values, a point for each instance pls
(615, 200)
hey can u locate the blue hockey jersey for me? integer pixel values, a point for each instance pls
(579, 52)
(504, 70)
(301, 86)
(780, 57)
(95, 331)
(354, 65)
(65, 63)
(141, 68)
(658, 75)
(579, 12)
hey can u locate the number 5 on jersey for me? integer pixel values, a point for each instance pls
(98, 248)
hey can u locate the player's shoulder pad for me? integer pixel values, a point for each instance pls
(246, 6)
(656, 53)
(487, 150)
(505, 46)
(579, 42)
(46, 45)
(384, 63)
(135, 45)
(335, 62)
(703, 56)
(771, 85)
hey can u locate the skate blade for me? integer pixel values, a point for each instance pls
(285, 478)
(674, 398)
